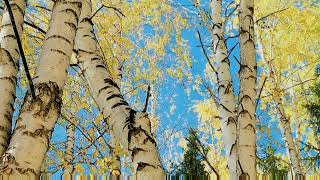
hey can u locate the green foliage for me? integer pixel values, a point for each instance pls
(192, 163)
(313, 107)
(272, 164)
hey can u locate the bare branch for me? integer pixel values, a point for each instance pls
(262, 18)
(205, 53)
(35, 27)
(261, 89)
(147, 100)
(109, 7)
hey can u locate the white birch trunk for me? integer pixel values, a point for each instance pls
(291, 146)
(283, 119)
(227, 106)
(9, 66)
(130, 127)
(31, 138)
(70, 147)
(247, 99)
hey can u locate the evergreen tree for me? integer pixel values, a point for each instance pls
(271, 164)
(192, 163)
(313, 108)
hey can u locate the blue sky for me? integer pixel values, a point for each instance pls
(174, 92)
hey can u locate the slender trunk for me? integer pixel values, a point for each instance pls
(227, 107)
(130, 127)
(70, 147)
(247, 98)
(292, 148)
(31, 138)
(9, 66)
(283, 120)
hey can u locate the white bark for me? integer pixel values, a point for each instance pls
(31, 137)
(227, 106)
(284, 121)
(70, 147)
(247, 98)
(291, 146)
(9, 66)
(130, 127)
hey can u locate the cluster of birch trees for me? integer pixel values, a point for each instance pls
(71, 40)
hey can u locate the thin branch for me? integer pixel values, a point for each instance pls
(35, 27)
(205, 53)
(237, 60)
(262, 18)
(147, 100)
(285, 89)
(25, 64)
(261, 89)
(229, 52)
(109, 7)
(231, 37)
(41, 7)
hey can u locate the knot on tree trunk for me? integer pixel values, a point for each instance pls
(47, 95)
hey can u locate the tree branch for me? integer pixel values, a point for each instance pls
(147, 100)
(205, 53)
(261, 89)
(109, 7)
(35, 27)
(262, 18)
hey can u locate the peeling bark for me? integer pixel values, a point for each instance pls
(130, 127)
(247, 98)
(9, 66)
(31, 138)
(227, 106)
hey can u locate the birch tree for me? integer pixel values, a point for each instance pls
(132, 128)
(31, 138)
(288, 45)
(9, 66)
(247, 98)
(227, 106)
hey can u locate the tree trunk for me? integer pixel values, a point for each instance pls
(283, 119)
(130, 127)
(227, 106)
(292, 147)
(31, 137)
(70, 147)
(247, 98)
(9, 66)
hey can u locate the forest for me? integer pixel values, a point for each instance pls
(151, 89)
